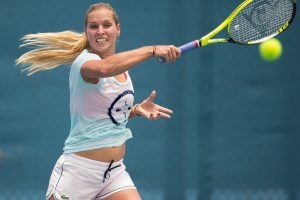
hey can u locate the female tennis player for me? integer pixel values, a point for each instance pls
(101, 102)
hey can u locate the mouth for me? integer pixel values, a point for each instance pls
(101, 40)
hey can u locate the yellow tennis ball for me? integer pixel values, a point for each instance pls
(270, 50)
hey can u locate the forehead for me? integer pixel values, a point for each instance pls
(101, 14)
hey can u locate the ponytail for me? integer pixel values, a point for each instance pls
(51, 50)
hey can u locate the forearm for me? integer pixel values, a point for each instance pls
(121, 62)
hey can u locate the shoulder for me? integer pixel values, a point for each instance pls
(85, 56)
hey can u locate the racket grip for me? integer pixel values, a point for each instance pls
(184, 48)
(189, 46)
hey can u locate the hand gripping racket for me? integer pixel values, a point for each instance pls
(252, 22)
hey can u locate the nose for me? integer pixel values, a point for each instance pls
(100, 30)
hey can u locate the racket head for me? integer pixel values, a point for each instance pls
(261, 20)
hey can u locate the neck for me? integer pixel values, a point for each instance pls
(103, 54)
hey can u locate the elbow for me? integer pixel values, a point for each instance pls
(106, 69)
(93, 69)
(103, 72)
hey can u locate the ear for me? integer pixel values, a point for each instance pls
(118, 30)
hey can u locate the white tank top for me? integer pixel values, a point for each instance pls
(99, 112)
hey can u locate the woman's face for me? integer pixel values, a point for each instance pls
(102, 32)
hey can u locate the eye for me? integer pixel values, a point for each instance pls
(107, 25)
(93, 26)
(129, 108)
(118, 109)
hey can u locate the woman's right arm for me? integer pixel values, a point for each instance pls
(122, 62)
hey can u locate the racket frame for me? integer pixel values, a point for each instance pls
(207, 38)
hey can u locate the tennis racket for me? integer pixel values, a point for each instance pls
(252, 22)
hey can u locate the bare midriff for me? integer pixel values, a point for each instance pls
(104, 154)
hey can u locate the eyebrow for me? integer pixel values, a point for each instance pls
(95, 22)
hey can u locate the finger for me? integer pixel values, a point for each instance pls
(150, 116)
(167, 54)
(165, 110)
(171, 59)
(156, 116)
(178, 52)
(174, 54)
(152, 95)
(170, 55)
(165, 115)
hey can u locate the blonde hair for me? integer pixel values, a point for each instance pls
(51, 50)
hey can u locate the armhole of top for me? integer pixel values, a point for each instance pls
(80, 63)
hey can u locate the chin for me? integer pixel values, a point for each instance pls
(98, 50)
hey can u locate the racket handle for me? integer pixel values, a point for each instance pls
(189, 46)
(184, 48)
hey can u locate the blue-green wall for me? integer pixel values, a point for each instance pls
(234, 133)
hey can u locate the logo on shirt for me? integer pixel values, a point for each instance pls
(119, 110)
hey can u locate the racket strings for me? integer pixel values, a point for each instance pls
(261, 19)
